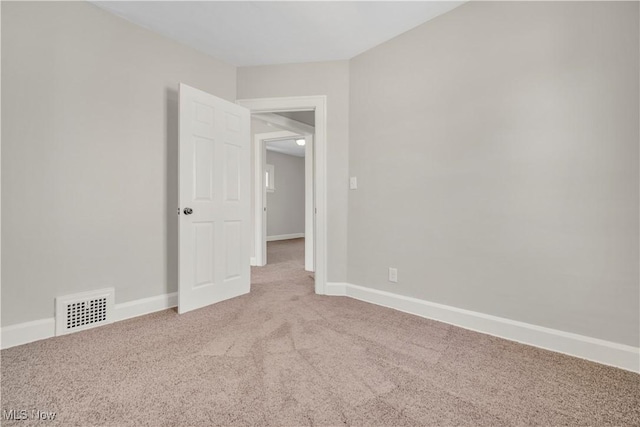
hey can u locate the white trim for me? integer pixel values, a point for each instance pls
(285, 122)
(253, 262)
(285, 151)
(309, 216)
(24, 333)
(284, 237)
(318, 104)
(594, 349)
(140, 307)
(27, 332)
(336, 289)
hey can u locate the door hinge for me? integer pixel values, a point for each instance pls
(178, 211)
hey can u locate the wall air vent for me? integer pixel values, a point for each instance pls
(85, 310)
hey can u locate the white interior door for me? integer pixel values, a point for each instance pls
(214, 200)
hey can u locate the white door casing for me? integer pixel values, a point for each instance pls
(214, 184)
(318, 104)
(260, 198)
(309, 206)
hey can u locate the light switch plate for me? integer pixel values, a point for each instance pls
(353, 183)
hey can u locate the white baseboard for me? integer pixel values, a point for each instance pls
(23, 333)
(253, 261)
(594, 349)
(284, 237)
(336, 288)
(27, 332)
(140, 307)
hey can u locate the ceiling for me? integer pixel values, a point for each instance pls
(247, 33)
(287, 146)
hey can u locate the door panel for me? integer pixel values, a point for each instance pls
(214, 184)
(203, 248)
(232, 172)
(203, 166)
(234, 251)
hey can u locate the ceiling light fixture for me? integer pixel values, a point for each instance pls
(300, 142)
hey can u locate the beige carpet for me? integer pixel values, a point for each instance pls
(284, 356)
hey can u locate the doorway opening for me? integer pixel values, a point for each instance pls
(283, 183)
(301, 119)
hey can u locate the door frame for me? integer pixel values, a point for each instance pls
(317, 104)
(260, 193)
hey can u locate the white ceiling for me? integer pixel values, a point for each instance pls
(286, 146)
(277, 32)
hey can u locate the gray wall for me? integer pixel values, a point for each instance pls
(285, 206)
(318, 78)
(496, 150)
(89, 154)
(306, 117)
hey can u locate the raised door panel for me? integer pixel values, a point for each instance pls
(233, 249)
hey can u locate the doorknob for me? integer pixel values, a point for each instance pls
(188, 211)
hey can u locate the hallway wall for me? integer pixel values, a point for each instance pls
(285, 205)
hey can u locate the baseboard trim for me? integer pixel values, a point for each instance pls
(27, 332)
(140, 307)
(284, 237)
(336, 289)
(24, 333)
(594, 349)
(253, 261)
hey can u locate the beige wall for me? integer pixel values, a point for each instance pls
(496, 150)
(285, 205)
(319, 78)
(89, 154)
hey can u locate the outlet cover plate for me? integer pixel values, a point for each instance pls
(393, 274)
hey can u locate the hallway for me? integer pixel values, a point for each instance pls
(285, 266)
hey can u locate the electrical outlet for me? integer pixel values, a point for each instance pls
(393, 275)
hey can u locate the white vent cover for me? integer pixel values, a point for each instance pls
(85, 310)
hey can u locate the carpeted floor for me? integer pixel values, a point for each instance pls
(284, 356)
